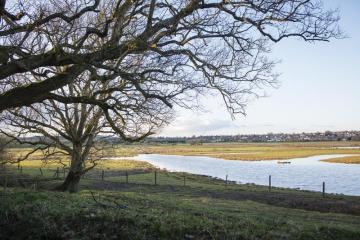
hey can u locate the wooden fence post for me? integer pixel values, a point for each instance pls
(184, 180)
(20, 169)
(5, 183)
(226, 181)
(127, 177)
(155, 176)
(323, 189)
(18, 166)
(41, 172)
(269, 183)
(102, 175)
(35, 184)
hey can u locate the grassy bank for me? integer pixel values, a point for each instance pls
(248, 151)
(132, 214)
(232, 151)
(348, 160)
(205, 208)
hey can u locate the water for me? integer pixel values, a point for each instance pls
(303, 173)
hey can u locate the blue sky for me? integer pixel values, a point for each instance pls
(320, 89)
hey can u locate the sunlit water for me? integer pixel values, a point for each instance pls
(303, 173)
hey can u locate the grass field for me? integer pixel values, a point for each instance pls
(229, 151)
(202, 209)
(248, 151)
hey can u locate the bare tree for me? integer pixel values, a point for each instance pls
(168, 49)
(73, 130)
(138, 57)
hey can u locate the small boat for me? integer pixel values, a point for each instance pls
(283, 162)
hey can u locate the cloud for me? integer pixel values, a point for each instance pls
(198, 126)
(205, 125)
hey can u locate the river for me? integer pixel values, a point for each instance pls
(302, 173)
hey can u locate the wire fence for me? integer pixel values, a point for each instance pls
(31, 178)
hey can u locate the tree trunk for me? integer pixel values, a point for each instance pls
(71, 183)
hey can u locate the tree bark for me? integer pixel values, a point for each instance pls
(37, 92)
(72, 180)
(71, 183)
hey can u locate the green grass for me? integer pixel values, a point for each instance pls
(203, 209)
(133, 214)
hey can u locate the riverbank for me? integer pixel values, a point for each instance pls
(202, 208)
(248, 151)
(232, 151)
(347, 160)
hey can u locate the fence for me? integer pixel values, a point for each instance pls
(18, 177)
(153, 177)
(183, 179)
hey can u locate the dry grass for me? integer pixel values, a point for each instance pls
(230, 151)
(348, 160)
(124, 165)
(254, 152)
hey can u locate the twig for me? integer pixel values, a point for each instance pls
(106, 205)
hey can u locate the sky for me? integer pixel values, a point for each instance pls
(319, 89)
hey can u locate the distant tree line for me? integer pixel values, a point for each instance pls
(198, 140)
(270, 137)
